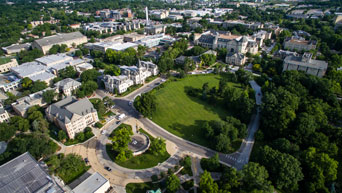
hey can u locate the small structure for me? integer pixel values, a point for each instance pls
(4, 115)
(95, 183)
(5, 67)
(24, 174)
(16, 48)
(67, 86)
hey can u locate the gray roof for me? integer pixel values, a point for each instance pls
(297, 60)
(17, 46)
(67, 83)
(23, 174)
(59, 38)
(66, 109)
(209, 39)
(91, 184)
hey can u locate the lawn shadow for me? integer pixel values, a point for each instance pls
(193, 133)
(196, 96)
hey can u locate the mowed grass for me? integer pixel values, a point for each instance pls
(183, 115)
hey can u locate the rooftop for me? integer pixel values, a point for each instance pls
(58, 38)
(300, 60)
(23, 174)
(91, 184)
(67, 83)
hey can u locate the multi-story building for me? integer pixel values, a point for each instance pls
(69, 39)
(299, 44)
(67, 86)
(4, 117)
(118, 84)
(8, 65)
(112, 27)
(130, 75)
(132, 37)
(155, 29)
(9, 82)
(72, 115)
(236, 58)
(95, 183)
(250, 25)
(117, 46)
(305, 63)
(160, 14)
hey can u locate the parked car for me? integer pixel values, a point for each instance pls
(108, 168)
(86, 160)
(103, 132)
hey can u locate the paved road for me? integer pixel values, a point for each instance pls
(237, 159)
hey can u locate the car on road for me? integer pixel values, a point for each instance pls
(130, 103)
(157, 83)
(86, 160)
(103, 132)
(259, 94)
(118, 122)
(108, 168)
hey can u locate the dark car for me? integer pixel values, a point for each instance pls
(86, 160)
(118, 122)
(108, 168)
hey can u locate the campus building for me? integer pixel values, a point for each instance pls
(299, 44)
(4, 117)
(69, 39)
(130, 75)
(95, 183)
(306, 64)
(7, 66)
(72, 115)
(67, 86)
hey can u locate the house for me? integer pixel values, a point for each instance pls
(95, 183)
(67, 86)
(16, 48)
(24, 174)
(237, 59)
(69, 39)
(4, 117)
(72, 115)
(23, 104)
(305, 63)
(118, 84)
(299, 44)
(5, 67)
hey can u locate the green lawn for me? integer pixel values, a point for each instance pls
(4, 60)
(183, 115)
(143, 161)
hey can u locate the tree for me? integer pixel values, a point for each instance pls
(321, 170)
(40, 124)
(208, 59)
(91, 74)
(108, 102)
(20, 123)
(6, 132)
(158, 146)
(121, 138)
(205, 90)
(222, 143)
(230, 179)
(285, 171)
(255, 177)
(68, 72)
(38, 86)
(49, 95)
(172, 183)
(88, 87)
(80, 136)
(78, 53)
(211, 164)
(62, 135)
(207, 184)
(146, 104)
(26, 83)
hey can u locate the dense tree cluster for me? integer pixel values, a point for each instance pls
(299, 115)
(166, 61)
(121, 138)
(58, 49)
(146, 104)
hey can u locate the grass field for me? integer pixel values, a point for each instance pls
(183, 115)
(4, 60)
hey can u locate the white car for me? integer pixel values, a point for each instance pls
(103, 132)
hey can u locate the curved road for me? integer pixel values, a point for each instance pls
(237, 159)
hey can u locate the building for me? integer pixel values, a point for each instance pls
(162, 14)
(132, 37)
(25, 175)
(46, 68)
(16, 48)
(233, 43)
(9, 82)
(23, 104)
(237, 59)
(67, 86)
(69, 39)
(155, 29)
(72, 115)
(250, 25)
(155, 40)
(306, 64)
(299, 44)
(112, 27)
(175, 17)
(4, 117)
(8, 65)
(41, 22)
(130, 75)
(117, 46)
(260, 36)
(95, 183)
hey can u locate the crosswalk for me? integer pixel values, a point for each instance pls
(235, 159)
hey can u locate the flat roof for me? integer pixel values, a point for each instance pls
(91, 184)
(23, 174)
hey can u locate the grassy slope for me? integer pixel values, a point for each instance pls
(183, 115)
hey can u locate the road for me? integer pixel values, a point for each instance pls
(237, 159)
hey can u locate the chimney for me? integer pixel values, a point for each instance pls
(146, 11)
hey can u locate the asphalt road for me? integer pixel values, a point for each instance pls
(237, 159)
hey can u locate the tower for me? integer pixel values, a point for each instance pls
(146, 12)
